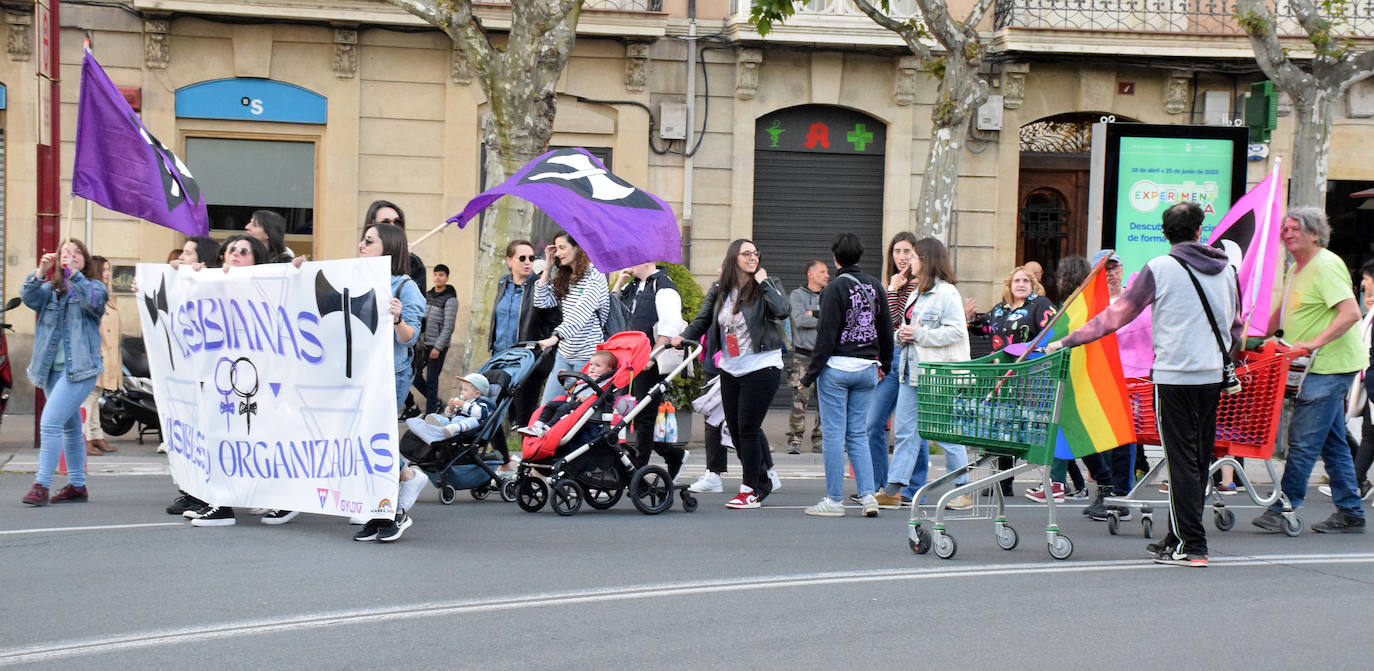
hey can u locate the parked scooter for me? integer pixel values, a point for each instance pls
(6, 375)
(133, 402)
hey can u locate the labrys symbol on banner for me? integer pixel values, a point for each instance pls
(157, 305)
(364, 307)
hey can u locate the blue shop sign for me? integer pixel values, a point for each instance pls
(4, 98)
(249, 99)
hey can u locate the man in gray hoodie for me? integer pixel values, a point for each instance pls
(805, 302)
(1187, 370)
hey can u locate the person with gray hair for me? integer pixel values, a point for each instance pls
(1316, 314)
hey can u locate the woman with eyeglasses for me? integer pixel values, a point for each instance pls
(406, 308)
(570, 282)
(741, 317)
(69, 301)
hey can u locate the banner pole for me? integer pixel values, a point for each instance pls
(1057, 315)
(1264, 242)
(426, 236)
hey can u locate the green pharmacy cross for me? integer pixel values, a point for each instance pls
(859, 137)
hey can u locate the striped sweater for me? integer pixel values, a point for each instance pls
(584, 312)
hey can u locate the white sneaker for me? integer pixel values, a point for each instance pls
(708, 483)
(536, 430)
(870, 504)
(774, 479)
(828, 508)
(1325, 490)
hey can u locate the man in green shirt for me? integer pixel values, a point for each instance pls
(1316, 314)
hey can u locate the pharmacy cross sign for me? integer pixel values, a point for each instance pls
(859, 137)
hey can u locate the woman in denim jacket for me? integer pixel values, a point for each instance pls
(66, 361)
(932, 328)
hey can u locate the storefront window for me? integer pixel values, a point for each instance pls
(241, 176)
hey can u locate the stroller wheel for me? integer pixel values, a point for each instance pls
(510, 489)
(567, 497)
(532, 494)
(447, 494)
(604, 499)
(651, 490)
(482, 491)
(689, 502)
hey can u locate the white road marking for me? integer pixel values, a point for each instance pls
(102, 527)
(321, 620)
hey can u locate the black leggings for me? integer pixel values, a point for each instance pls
(746, 399)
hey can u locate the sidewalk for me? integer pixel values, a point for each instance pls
(18, 454)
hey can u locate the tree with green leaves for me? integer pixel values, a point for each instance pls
(518, 77)
(961, 91)
(1313, 87)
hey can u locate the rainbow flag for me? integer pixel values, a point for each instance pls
(1094, 415)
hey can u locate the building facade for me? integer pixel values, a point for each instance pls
(317, 109)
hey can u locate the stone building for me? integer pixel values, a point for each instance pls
(318, 108)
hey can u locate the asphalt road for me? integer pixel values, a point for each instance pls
(483, 584)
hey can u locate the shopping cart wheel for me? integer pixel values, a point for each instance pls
(1113, 524)
(532, 494)
(921, 544)
(509, 490)
(945, 547)
(1147, 526)
(447, 494)
(567, 497)
(1061, 547)
(651, 490)
(480, 492)
(603, 499)
(1292, 524)
(1224, 519)
(1006, 537)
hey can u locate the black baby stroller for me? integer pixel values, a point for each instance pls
(468, 460)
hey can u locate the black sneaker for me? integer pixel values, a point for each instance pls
(1340, 522)
(1097, 510)
(184, 503)
(1159, 548)
(392, 529)
(1172, 558)
(197, 513)
(1270, 521)
(369, 530)
(279, 516)
(215, 516)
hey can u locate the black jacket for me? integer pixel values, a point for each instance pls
(535, 323)
(854, 322)
(642, 304)
(763, 318)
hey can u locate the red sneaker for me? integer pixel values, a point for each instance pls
(70, 494)
(744, 500)
(1038, 494)
(38, 496)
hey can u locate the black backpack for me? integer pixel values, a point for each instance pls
(617, 317)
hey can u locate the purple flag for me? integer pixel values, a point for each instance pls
(617, 224)
(121, 166)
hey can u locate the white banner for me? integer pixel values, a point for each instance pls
(274, 385)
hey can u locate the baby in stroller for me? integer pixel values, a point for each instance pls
(600, 367)
(464, 413)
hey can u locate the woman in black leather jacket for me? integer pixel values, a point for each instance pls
(741, 317)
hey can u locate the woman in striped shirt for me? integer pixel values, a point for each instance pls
(900, 276)
(572, 283)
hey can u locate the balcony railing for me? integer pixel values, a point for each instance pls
(1206, 17)
(900, 9)
(626, 5)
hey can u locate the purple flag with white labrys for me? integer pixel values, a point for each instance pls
(617, 224)
(120, 165)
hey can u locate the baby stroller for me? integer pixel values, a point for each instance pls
(465, 461)
(581, 458)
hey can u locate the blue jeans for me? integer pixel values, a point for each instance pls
(842, 398)
(879, 410)
(1318, 429)
(403, 380)
(60, 428)
(911, 456)
(552, 387)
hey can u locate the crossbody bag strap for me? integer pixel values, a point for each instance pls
(1206, 308)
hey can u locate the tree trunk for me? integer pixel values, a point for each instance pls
(961, 92)
(1312, 112)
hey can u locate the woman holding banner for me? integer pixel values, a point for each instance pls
(572, 283)
(407, 307)
(70, 302)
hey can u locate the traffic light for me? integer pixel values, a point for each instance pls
(1261, 111)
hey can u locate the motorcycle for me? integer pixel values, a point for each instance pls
(6, 375)
(133, 402)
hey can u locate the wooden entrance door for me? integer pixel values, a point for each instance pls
(1052, 212)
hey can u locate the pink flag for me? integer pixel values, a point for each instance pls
(1249, 234)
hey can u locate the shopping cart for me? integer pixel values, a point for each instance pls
(1004, 408)
(1247, 426)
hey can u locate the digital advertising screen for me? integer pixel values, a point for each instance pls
(1149, 168)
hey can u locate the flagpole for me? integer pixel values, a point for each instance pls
(1057, 315)
(1273, 180)
(426, 236)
